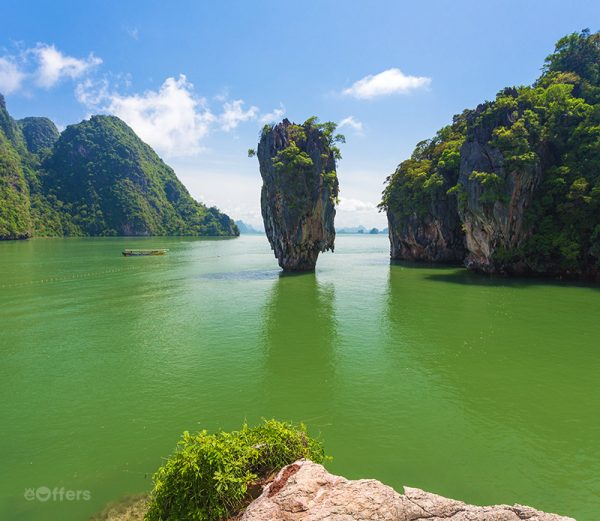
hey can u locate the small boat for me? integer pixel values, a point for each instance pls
(137, 253)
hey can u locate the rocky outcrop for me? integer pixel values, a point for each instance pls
(39, 133)
(305, 491)
(423, 220)
(495, 196)
(299, 192)
(436, 237)
(526, 183)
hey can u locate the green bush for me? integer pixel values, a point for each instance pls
(208, 476)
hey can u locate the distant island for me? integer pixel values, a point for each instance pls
(97, 178)
(512, 186)
(248, 229)
(361, 229)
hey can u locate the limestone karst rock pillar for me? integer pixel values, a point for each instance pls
(299, 192)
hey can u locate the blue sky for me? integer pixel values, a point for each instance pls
(197, 79)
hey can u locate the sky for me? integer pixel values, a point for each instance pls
(197, 80)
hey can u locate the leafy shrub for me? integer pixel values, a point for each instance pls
(208, 476)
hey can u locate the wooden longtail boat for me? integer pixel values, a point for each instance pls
(136, 253)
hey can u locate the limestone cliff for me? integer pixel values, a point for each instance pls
(299, 192)
(423, 221)
(513, 186)
(96, 178)
(495, 192)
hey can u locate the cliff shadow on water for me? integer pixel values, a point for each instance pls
(299, 335)
(456, 273)
(460, 275)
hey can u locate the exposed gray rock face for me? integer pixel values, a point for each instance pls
(493, 216)
(305, 491)
(299, 192)
(434, 238)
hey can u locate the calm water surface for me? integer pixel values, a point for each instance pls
(479, 389)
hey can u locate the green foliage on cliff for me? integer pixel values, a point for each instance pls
(553, 126)
(209, 475)
(428, 175)
(295, 161)
(116, 185)
(15, 219)
(294, 157)
(39, 133)
(96, 178)
(492, 186)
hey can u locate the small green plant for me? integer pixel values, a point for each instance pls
(492, 185)
(208, 475)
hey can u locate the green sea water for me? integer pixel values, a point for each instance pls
(485, 390)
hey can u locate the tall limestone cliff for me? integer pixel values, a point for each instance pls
(495, 189)
(15, 217)
(115, 184)
(423, 221)
(96, 178)
(514, 185)
(300, 189)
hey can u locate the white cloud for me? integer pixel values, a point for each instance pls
(273, 116)
(390, 81)
(11, 76)
(171, 120)
(233, 114)
(356, 205)
(53, 65)
(90, 93)
(352, 123)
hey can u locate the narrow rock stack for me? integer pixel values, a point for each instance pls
(299, 192)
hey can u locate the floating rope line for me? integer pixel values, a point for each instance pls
(75, 276)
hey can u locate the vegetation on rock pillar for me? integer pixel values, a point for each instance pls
(300, 189)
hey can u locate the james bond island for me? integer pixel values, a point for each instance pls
(442, 364)
(300, 190)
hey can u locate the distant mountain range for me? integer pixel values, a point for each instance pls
(247, 228)
(251, 230)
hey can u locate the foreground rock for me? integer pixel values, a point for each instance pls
(299, 192)
(305, 491)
